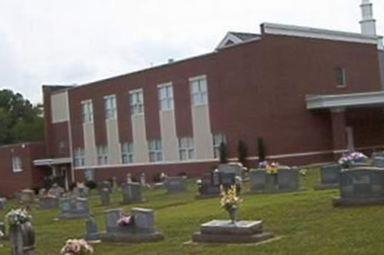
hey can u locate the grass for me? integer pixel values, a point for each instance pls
(306, 223)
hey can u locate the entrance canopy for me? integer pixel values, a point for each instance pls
(367, 99)
(52, 162)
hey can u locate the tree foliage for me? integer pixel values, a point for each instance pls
(20, 121)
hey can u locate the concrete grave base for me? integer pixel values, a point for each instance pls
(357, 201)
(132, 237)
(327, 186)
(221, 231)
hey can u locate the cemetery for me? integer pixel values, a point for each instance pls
(268, 210)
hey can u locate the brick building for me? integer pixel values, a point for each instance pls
(309, 94)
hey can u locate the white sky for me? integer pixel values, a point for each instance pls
(79, 41)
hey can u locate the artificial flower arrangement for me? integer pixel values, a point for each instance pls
(76, 247)
(18, 217)
(352, 157)
(270, 168)
(230, 201)
(125, 221)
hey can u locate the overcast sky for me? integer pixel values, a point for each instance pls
(79, 41)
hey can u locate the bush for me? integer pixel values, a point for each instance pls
(260, 149)
(223, 153)
(242, 151)
(91, 184)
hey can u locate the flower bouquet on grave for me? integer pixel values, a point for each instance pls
(348, 159)
(18, 217)
(270, 168)
(230, 201)
(125, 221)
(76, 247)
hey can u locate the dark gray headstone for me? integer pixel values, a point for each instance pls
(112, 218)
(2, 203)
(175, 184)
(378, 161)
(27, 196)
(92, 232)
(105, 185)
(231, 168)
(56, 191)
(288, 179)
(258, 180)
(144, 219)
(361, 186)
(73, 208)
(105, 197)
(330, 174)
(47, 203)
(132, 193)
(81, 191)
(22, 239)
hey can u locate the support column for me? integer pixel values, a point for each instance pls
(338, 131)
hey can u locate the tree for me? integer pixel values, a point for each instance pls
(261, 149)
(242, 151)
(20, 121)
(223, 150)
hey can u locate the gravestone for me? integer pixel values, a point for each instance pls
(82, 191)
(142, 179)
(361, 186)
(2, 203)
(330, 177)
(115, 186)
(73, 208)
(175, 184)
(378, 161)
(286, 180)
(129, 177)
(56, 190)
(92, 233)
(207, 187)
(105, 185)
(142, 228)
(22, 239)
(258, 180)
(223, 231)
(27, 196)
(3, 230)
(48, 202)
(231, 168)
(105, 197)
(132, 193)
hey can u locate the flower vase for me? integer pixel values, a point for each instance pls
(16, 239)
(232, 214)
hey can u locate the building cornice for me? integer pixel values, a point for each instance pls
(344, 100)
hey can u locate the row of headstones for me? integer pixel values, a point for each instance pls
(358, 186)
(286, 180)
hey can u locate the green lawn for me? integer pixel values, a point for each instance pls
(305, 221)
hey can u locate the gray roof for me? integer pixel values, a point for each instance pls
(245, 36)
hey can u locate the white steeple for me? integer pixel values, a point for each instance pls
(368, 23)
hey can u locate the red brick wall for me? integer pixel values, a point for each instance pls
(256, 90)
(30, 177)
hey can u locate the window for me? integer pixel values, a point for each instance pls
(102, 155)
(217, 140)
(110, 107)
(199, 90)
(155, 151)
(87, 112)
(79, 157)
(166, 97)
(17, 164)
(186, 148)
(341, 77)
(136, 102)
(127, 153)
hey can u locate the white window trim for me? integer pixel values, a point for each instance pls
(134, 91)
(159, 87)
(17, 168)
(191, 81)
(114, 110)
(88, 101)
(157, 152)
(127, 153)
(199, 77)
